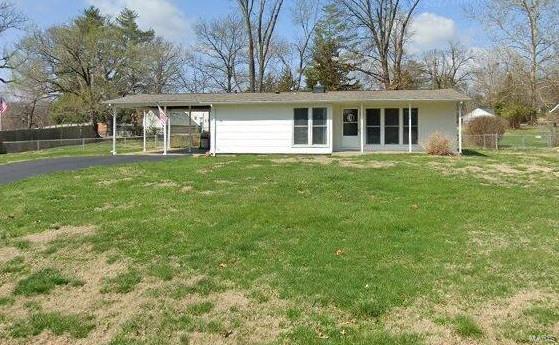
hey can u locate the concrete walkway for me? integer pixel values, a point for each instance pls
(12, 172)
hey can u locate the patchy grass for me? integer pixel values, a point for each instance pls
(122, 283)
(43, 282)
(306, 250)
(75, 325)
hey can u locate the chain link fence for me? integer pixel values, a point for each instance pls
(511, 141)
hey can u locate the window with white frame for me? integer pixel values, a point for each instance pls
(301, 126)
(392, 126)
(373, 126)
(310, 125)
(319, 126)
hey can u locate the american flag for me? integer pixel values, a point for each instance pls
(3, 106)
(162, 116)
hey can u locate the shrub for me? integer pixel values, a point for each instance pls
(485, 131)
(438, 144)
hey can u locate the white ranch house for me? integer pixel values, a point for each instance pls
(316, 122)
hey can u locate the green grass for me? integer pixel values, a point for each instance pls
(200, 308)
(43, 282)
(464, 232)
(467, 327)
(122, 283)
(104, 148)
(75, 325)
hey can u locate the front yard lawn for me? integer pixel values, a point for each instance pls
(376, 249)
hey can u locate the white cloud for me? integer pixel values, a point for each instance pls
(161, 15)
(431, 31)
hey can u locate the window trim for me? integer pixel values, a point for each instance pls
(310, 126)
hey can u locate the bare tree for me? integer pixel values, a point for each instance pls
(528, 27)
(382, 26)
(165, 63)
(260, 18)
(221, 43)
(448, 68)
(10, 18)
(305, 15)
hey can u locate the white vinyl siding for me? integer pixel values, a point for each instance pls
(265, 129)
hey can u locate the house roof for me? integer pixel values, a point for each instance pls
(187, 99)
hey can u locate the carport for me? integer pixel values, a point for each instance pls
(180, 118)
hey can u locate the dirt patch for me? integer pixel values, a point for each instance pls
(113, 181)
(7, 254)
(186, 189)
(54, 234)
(324, 160)
(162, 184)
(421, 317)
(366, 164)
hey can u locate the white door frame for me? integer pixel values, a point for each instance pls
(351, 142)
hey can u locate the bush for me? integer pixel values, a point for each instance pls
(438, 144)
(485, 131)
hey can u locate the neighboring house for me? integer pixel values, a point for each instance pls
(200, 118)
(477, 113)
(316, 122)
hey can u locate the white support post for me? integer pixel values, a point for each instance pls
(144, 129)
(410, 147)
(165, 134)
(114, 132)
(362, 118)
(190, 127)
(168, 130)
(213, 139)
(460, 127)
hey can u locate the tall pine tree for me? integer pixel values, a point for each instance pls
(329, 66)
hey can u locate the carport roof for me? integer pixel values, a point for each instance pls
(206, 99)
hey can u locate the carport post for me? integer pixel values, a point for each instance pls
(460, 127)
(114, 131)
(362, 125)
(165, 133)
(144, 129)
(168, 130)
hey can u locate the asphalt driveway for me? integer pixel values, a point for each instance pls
(12, 172)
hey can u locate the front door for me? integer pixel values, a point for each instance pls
(350, 123)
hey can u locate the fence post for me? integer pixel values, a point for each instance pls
(497, 142)
(83, 144)
(38, 145)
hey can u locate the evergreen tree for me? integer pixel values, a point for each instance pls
(329, 66)
(127, 24)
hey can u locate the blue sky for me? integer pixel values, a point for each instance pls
(438, 21)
